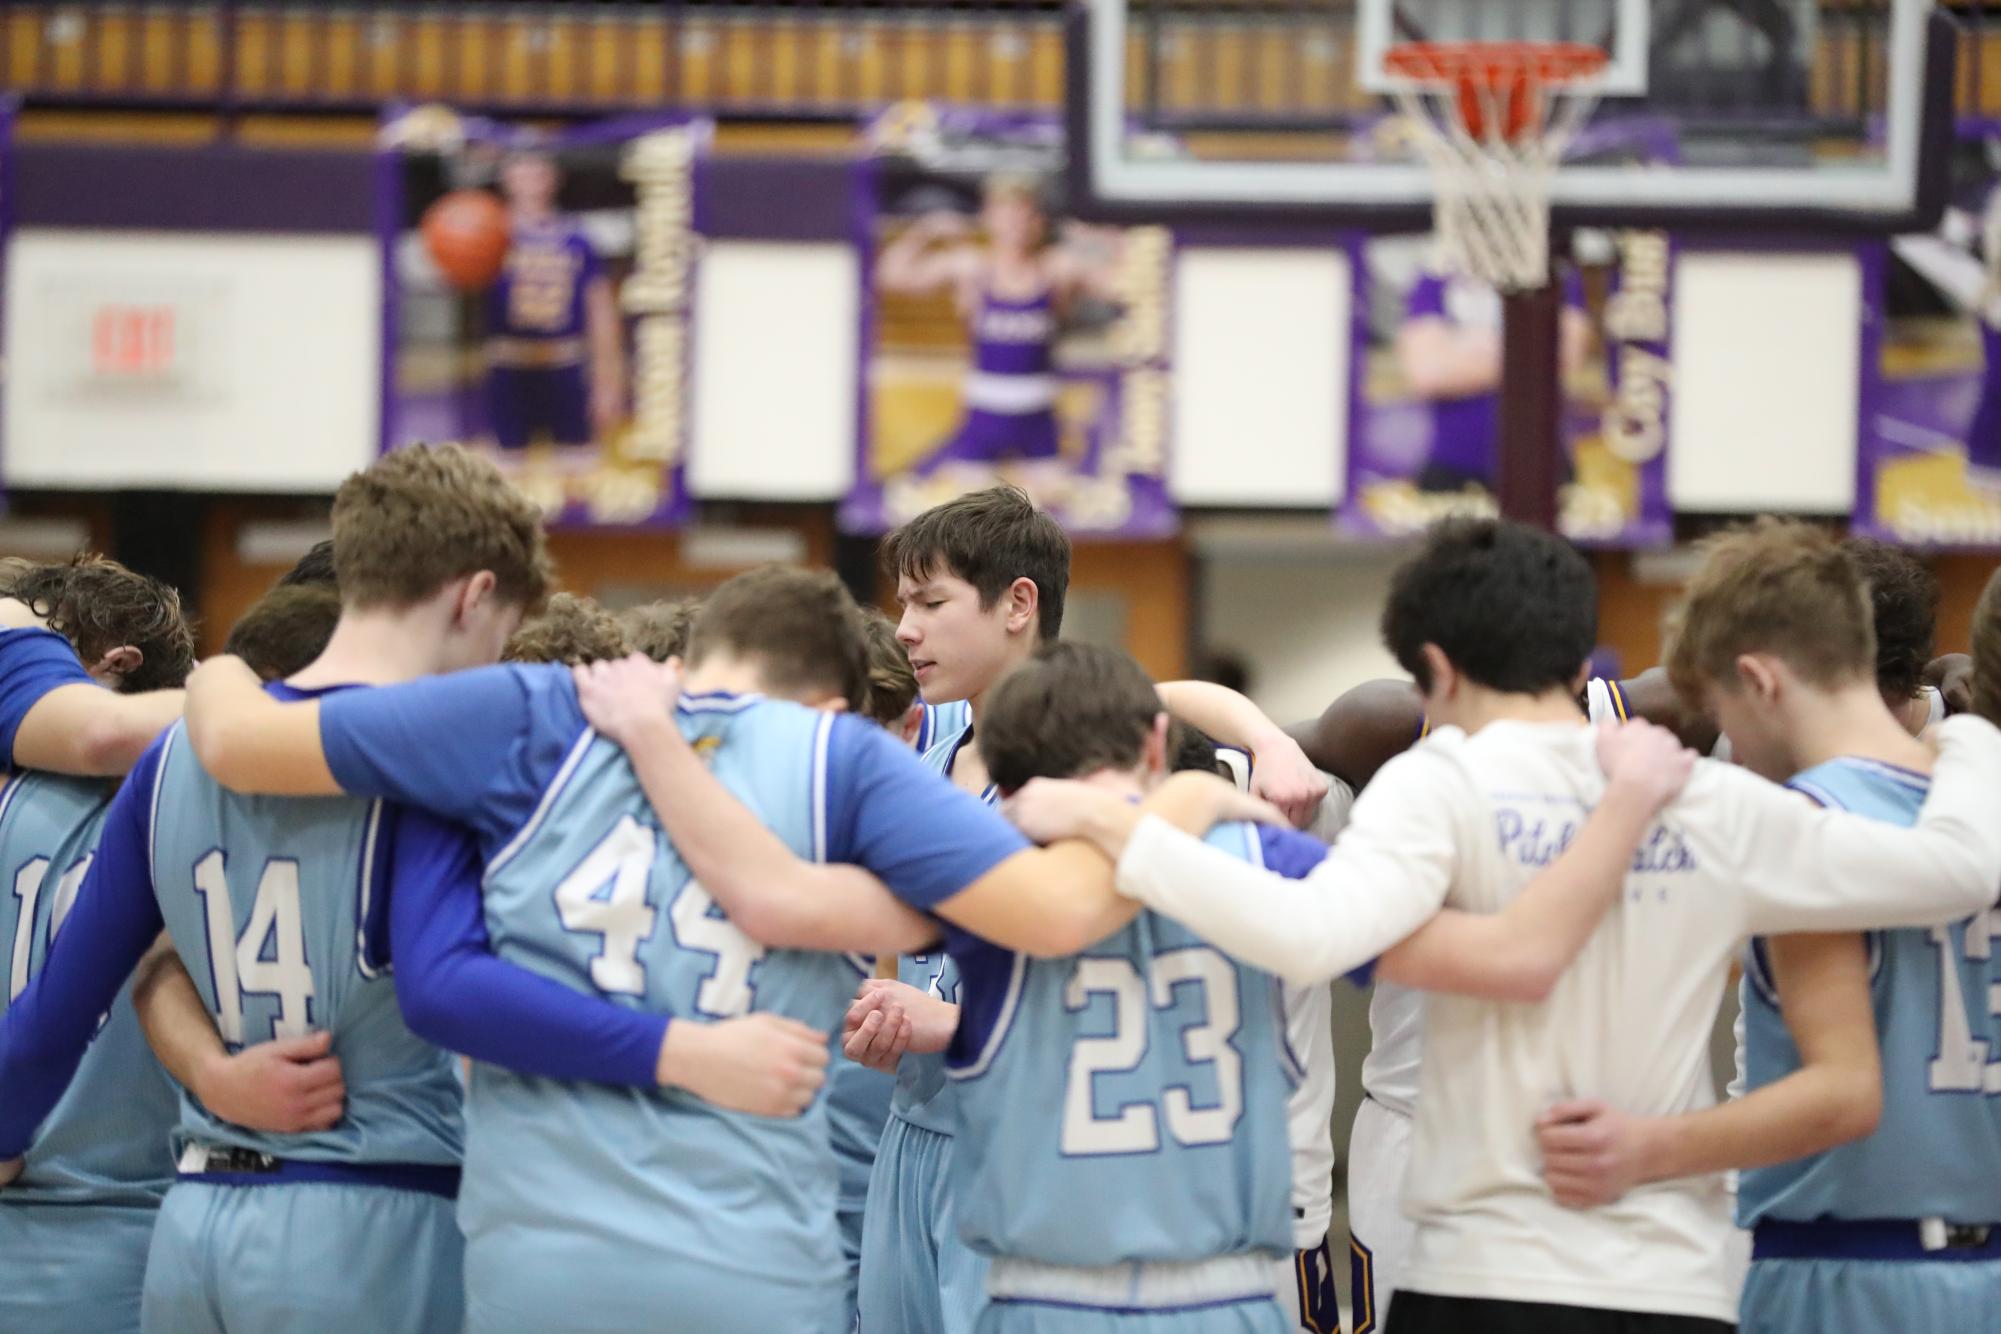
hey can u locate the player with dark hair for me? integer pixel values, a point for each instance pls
(555, 348)
(1495, 622)
(315, 567)
(285, 630)
(1903, 600)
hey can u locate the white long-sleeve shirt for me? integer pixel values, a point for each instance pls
(1467, 822)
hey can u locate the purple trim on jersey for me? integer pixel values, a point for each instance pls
(1014, 336)
(540, 292)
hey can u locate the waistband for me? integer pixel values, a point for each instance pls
(219, 1165)
(1010, 395)
(1136, 1285)
(1877, 1239)
(535, 353)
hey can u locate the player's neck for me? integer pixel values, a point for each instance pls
(1827, 724)
(1478, 706)
(724, 674)
(1019, 651)
(1912, 714)
(379, 647)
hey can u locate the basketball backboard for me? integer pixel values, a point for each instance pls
(1752, 114)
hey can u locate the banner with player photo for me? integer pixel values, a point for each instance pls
(1930, 444)
(1000, 340)
(1424, 429)
(538, 296)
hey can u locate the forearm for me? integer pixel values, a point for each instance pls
(1306, 931)
(472, 1003)
(1519, 952)
(1220, 713)
(89, 731)
(177, 1024)
(1807, 1112)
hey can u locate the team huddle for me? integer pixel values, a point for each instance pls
(817, 972)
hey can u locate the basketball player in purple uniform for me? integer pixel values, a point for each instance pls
(555, 360)
(1012, 293)
(1449, 349)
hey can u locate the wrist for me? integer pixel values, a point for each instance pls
(680, 1047)
(1653, 1149)
(1109, 824)
(211, 1067)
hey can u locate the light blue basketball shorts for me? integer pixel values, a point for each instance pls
(303, 1257)
(74, 1267)
(917, 1276)
(1870, 1296)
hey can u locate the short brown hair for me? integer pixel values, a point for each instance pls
(99, 605)
(1774, 586)
(1987, 651)
(287, 628)
(990, 539)
(571, 630)
(799, 626)
(660, 629)
(1070, 710)
(425, 515)
(892, 685)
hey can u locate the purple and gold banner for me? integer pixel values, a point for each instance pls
(1424, 423)
(1001, 341)
(539, 294)
(1930, 445)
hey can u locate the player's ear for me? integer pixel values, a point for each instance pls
(1153, 755)
(1444, 676)
(1756, 674)
(474, 593)
(117, 664)
(1023, 600)
(1582, 679)
(913, 722)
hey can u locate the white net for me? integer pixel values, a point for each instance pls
(1493, 138)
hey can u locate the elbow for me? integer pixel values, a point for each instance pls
(1530, 980)
(216, 749)
(425, 1012)
(107, 747)
(1060, 935)
(1853, 1110)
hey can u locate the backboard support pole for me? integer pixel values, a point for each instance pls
(1528, 465)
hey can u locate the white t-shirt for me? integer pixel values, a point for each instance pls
(1469, 821)
(1396, 1014)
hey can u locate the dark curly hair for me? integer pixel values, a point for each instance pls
(1903, 599)
(99, 605)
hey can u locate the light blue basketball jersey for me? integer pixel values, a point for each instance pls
(1937, 1151)
(924, 1097)
(1125, 1104)
(106, 1142)
(276, 905)
(593, 894)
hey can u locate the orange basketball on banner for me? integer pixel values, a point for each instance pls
(466, 235)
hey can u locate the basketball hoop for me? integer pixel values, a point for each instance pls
(1492, 121)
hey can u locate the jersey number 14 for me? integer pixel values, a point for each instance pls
(1964, 1064)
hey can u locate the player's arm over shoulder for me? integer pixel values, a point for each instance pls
(54, 717)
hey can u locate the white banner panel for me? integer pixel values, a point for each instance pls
(217, 362)
(1261, 377)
